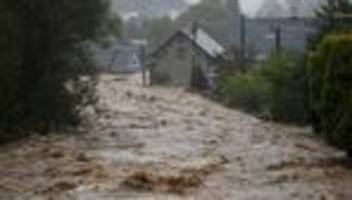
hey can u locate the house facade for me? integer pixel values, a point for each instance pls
(174, 60)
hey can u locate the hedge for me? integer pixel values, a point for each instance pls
(331, 90)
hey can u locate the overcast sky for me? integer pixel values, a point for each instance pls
(248, 6)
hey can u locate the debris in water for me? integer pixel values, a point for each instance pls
(60, 186)
(82, 157)
(172, 183)
(187, 178)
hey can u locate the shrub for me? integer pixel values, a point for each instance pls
(286, 75)
(247, 91)
(331, 90)
(278, 90)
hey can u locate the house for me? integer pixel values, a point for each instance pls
(260, 36)
(174, 59)
(295, 33)
(118, 58)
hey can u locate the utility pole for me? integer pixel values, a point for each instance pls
(243, 48)
(143, 61)
(278, 39)
(235, 17)
(144, 44)
(237, 25)
(194, 74)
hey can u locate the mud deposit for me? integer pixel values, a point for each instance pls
(165, 143)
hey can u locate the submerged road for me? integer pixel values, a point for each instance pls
(165, 143)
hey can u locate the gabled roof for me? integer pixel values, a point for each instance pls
(203, 41)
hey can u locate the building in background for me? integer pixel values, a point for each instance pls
(118, 58)
(258, 34)
(174, 60)
(295, 32)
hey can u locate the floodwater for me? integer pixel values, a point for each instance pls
(165, 143)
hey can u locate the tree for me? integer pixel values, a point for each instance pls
(330, 12)
(330, 19)
(330, 22)
(9, 70)
(158, 29)
(51, 62)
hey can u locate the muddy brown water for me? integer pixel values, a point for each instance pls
(170, 144)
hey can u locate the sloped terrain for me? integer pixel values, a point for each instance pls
(165, 143)
(154, 8)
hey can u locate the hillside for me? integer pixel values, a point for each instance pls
(285, 8)
(154, 8)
